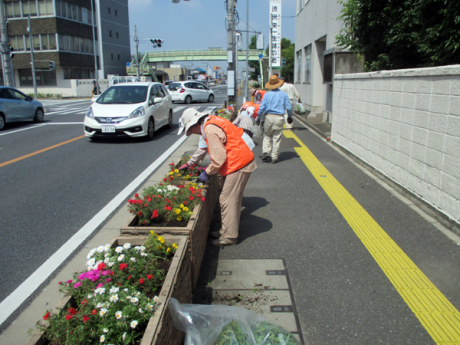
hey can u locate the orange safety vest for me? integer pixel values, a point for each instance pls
(238, 153)
(262, 94)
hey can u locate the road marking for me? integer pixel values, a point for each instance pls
(39, 151)
(434, 311)
(23, 129)
(28, 287)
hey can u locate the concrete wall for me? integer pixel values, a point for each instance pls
(405, 124)
(79, 88)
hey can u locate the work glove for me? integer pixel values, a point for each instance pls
(289, 119)
(258, 121)
(184, 167)
(204, 177)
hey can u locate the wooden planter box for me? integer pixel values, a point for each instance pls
(197, 228)
(178, 284)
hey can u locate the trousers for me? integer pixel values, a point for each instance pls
(231, 199)
(273, 130)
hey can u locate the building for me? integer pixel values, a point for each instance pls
(317, 58)
(62, 32)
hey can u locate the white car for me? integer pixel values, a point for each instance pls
(133, 109)
(190, 91)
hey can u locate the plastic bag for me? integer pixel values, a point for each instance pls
(299, 109)
(221, 324)
(257, 130)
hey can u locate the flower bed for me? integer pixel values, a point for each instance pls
(114, 302)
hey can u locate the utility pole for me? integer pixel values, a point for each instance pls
(231, 53)
(136, 41)
(93, 17)
(246, 89)
(8, 75)
(270, 50)
(32, 63)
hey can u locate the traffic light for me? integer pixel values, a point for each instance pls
(11, 51)
(283, 62)
(157, 42)
(52, 66)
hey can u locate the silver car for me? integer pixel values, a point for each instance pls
(190, 91)
(16, 106)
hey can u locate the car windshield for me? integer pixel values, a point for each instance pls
(174, 86)
(123, 94)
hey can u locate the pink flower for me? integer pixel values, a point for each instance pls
(108, 279)
(100, 285)
(77, 285)
(69, 281)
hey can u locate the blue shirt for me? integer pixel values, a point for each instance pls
(275, 102)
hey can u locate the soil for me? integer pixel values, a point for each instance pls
(252, 300)
(172, 223)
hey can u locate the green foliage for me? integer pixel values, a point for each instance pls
(254, 64)
(287, 52)
(401, 33)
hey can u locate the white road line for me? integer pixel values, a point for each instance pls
(65, 123)
(28, 287)
(24, 129)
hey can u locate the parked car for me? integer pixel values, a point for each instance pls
(133, 109)
(190, 91)
(168, 82)
(17, 106)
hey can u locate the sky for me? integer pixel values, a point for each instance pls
(200, 24)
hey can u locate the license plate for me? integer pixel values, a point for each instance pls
(108, 129)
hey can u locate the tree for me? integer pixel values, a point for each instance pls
(287, 52)
(254, 64)
(392, 34)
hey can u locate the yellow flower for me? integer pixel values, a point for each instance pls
(171, 173)
(185, 209)
(190, 213)
(181, 205)
(159, 247)
(174, 246)
(177, 211)
(176, 170)
(161, 239)
(179, 218)
(187, 177)
(168, 250)
(152, 232)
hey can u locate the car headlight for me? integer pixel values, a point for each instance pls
(137, 113)
(89, 113)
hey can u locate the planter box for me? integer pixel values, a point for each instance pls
(197, 228)
(178, 284)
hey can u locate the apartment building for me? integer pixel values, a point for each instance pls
(62, 32)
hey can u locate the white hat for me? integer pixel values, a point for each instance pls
(250, 110)
(189, 118)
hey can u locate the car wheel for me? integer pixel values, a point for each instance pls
(2, 122)
(188, 100)
(170, 119)
(211, 98)
(39, 116)
(150, 130)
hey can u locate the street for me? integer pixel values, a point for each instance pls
(54, 180)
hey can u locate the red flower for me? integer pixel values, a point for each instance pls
(145, 221)
(165, 179)
(119, 284)
(129, 277)
(139, 214)
(149, 199)
(202, 199)
(84, 302)
(141, 281)
(167, 208)
(101, 266)
(136, 195)
(139, 201)
(122, 266)
(149, 276)
(161, 183)
(171, 164)
(85, 318)
(174, 198)
(94, 312)
(191, 198)
(154, 214)
(72, 311)
(146, 205)
(60, 283)
(68, 317)
(46, 316)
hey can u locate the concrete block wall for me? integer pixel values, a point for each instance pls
(406, 125)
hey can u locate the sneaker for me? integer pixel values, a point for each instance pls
(221, 242)
(215, 234)
(276, 160)
(265, 157)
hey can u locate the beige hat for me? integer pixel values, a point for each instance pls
(252, 92)
(189, 118)
(274, 82)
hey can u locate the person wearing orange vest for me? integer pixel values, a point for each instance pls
(258, 95)
(232, 158)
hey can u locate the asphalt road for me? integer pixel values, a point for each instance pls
(47, 196)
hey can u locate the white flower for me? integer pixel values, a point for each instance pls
(149, 306)
(113, 298)
(106, 247)
(144, 254)
(102, 338)
(99, 291)
(90, 296)
(137, 293)
(111, 264)
(100, 249)
(119, 249)
(140, 311)
(103, 311)
(98, 262)
(118, 314)
(99, 305)
(156, 299)
(91, 253)
(106, 260)
(105, 330)
(125, 290)
(133, 324)
(142, 248)
(128, 297)
(114, 289)
(127, 245)
(134, 300)
(123, 336)
(91, 262)
(121, 257)
(133, 259)
(137, 248)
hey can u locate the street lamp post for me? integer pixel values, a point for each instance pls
(94, 48)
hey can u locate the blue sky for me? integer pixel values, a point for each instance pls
(200, 24)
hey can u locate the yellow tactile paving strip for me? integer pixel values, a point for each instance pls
(430, 306)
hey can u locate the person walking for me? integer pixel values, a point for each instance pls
(293, 96)
(257, 94)
(271, 113)
(232, 158)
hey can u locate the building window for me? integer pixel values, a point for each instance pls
(45, 7)
(308, 64)
(13, 9)
(299, 66)
(43, 78)
(78, 73)
(74, 44)
(110, 33)
(29, 8)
